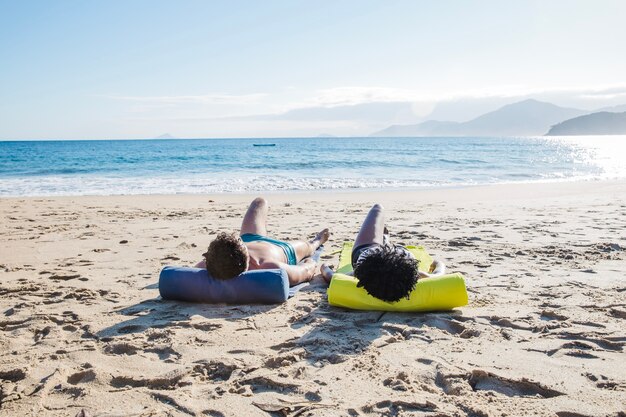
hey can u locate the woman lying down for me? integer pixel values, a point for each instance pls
(386, 271)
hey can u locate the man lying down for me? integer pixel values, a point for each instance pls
(229, 254)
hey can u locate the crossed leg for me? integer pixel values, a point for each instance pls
(306, 249)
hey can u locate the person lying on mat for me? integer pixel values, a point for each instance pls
(229, 255)
(386, 271)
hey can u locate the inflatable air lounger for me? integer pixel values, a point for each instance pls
(264, 286)
(430, 294)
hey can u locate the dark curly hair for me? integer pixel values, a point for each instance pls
(387, 274)
(226, 257)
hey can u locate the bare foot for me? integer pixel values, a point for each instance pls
(320, 238)
(327, 272)
(437, 268)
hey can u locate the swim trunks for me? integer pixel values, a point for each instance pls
(290, 252)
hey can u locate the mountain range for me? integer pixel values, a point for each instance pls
(525, 118)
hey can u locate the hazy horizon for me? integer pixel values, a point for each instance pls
(275, 69)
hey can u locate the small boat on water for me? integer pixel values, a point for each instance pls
(263, 144)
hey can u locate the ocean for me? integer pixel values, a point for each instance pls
(192, 166)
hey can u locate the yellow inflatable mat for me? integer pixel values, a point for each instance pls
(430, 294)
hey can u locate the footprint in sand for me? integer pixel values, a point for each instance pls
(400, 382)
(215, 371)
(81, 377)
(552, 315)
(122, 349)
(449, 326)
(398, 407)
(63, 277)
(259, 384)
(452, 383)
(167, 381)
(481, 380)
(285, 360)
(612, 385)
(132, 328)
(213, 413)
(13, 375)
(165, 353)
(571, 414)
(599, 339)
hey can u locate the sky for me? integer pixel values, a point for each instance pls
(193, 69)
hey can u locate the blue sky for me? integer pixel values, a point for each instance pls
(138, 69)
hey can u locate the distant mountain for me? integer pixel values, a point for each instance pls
(601, 123)
(388, 112)
(428, 128)
(165, 136)
(524, 118)
(613, 109)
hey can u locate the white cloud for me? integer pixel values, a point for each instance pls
(346, 96)
(606, 93)
(421, 100)
(190, 99)
(341, 96)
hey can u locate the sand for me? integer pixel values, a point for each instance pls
(83, 330)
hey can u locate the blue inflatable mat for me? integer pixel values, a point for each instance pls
(266, 286)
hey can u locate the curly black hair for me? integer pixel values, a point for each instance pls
(226, 257)
(387, 273)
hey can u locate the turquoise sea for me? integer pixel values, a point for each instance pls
(46, 168)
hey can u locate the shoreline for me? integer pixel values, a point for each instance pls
(349, 190)
(543, 334)
(527, 189)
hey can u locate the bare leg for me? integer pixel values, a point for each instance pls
(373, 227)
(255, 220)
(306, 249)
(372, 230)
(327, 272)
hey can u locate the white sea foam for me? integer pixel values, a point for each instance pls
(56, 186)
(88, 185)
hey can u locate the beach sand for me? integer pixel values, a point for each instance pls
(82, 327)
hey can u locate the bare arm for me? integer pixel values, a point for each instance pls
(302, 272)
